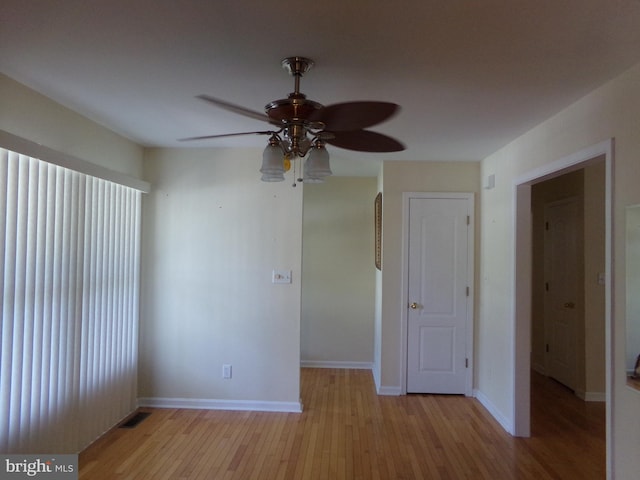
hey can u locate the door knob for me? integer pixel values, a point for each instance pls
(413, 305)
(569, 305)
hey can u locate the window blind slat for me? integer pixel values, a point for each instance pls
(29, 362)
(5, 337)
(40, 387)
(19, 389)
(10, 190)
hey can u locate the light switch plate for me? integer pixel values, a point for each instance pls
(281, 276)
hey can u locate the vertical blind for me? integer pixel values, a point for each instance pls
(69, 276)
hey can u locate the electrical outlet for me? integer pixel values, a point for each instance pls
(226, 371)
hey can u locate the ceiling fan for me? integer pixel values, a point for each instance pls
(304, 126)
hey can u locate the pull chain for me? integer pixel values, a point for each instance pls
(297, 168)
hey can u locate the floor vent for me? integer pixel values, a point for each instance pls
(133, 421)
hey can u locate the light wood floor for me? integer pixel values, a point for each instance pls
(348, 432)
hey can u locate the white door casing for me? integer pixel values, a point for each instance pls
(438, 292)
(520, 424)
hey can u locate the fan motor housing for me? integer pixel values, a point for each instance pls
(292, 109)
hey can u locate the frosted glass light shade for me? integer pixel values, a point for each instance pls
(316, 168)
(272, 164)
(272, 177)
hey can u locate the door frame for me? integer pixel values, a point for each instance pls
(521, 307)
(404, 312)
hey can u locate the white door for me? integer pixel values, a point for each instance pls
(562, 305)
(439, 307)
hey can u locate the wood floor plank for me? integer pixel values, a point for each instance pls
(348, 432)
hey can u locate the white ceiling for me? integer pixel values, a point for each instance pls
(470, 75)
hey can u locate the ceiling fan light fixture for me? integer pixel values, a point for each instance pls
(304, 126)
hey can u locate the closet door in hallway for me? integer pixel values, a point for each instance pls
(439, 281)
(562, 306)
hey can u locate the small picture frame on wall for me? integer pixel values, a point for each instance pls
(378, 230)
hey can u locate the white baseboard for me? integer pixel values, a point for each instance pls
(495, 413)
(390, 391)
(592, 396)
(213, 404)
(382, 389)
(536, 367)
(334, 364)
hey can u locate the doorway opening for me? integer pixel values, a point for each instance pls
(523, 302)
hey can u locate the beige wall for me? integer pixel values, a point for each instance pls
(35, 117)
(594, 292)
(611, 111)
(338, 279)
(399, 177)
(212, 235)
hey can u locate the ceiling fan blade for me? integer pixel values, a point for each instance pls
(207, 137)
(348, 116)
(240, 110)
(365, 141)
